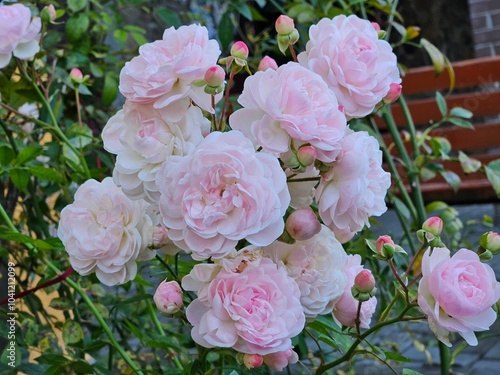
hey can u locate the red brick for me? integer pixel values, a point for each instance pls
(484, 6)
(478, 22)
(491, 35)
(495, 19)
(484, 51)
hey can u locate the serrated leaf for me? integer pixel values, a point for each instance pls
(441, 102)
(27, 154)
(437, 58)
(76, 26)
(72, 332)
(77, 5)
(47, 174)
(451, 179)
(396, 357)
(469, 165)
(494, 177)
(6, 155)
(461, 122)
(461, 112)
(20, 178)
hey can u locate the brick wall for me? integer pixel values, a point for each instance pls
(485, 21)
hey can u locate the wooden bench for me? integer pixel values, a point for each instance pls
(477, 89)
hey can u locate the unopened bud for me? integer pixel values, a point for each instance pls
(491, 241)
(433, 225)
(284, 41)
(302, 224)
(284, 25)
(486, 256)
(239, 50)
(76, 75)
(160, 237)
(393, 94)
(385, 246)
(252, 361)
(376, 26)
(364, 281)
(267, 63)
(307, 155)
(168, 297)
(48, 13)
(214, 76)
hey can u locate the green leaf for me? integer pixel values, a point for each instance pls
(110, 90)
(437, 58)
(61, 303)
(76, 26)
(72, 332)
(27, 154)
(77, 5)
(436, 206)
(245, 11)
(451, 179)
(6, 155)
(401, 207)
(461, 122)
(469, 165)
(44, 173)
(226, 31)
(20, 178)
(49, 244)
(169, 17)
(441, 102)
(461, 112)
(407, 371)
(79, 135)
(396, 357)
(493, 176)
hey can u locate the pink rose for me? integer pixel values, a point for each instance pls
(254, 311)
(346, 308)
(457, 294)
(355, 63)
(278, 361)
(164, 71)
(316, 266)
(19, 34)
(105, 232)
(143, 138)
(168, 297)
(221, 193)
(354, 188)
(290, 103)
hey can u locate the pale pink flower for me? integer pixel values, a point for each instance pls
(168, 297)
(19, 34)
(221, 193)
(278, 361)
(254, 311)
(457, 294)
(345, 310)
(104, 232)
(290, 103)
(267, 63)
(354, 188)
(143, 138)
(302, 224)
(316, 266)
(164, 71)
(357, 65)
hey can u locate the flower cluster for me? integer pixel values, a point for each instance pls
(288, 155)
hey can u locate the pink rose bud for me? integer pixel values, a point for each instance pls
(252, 360)
(76, 75)
(214, 76)
(433, 225)
(168, 297)
(376, 26)
(302, 224)
(239, 50)
(491, 241)
(381, 241)
(160, 237)
(48, 13)
(394, 93)
(267, 63)
(307, 155)
(284, 25)
(364, 281)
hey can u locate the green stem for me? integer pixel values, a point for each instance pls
(444, 354)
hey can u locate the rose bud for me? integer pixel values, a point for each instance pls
(48, 13)
(302, 224)
(491, 242)
(168, 297)
(214, 76)
(267, 63)
(239, 50)
(364, 281)
(284, 25)
(385, 246)
(376, 26)
(307, 155)
(433, 225)
(76, 75)
(394, 93)
(252, 360)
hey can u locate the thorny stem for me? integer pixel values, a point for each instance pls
(226, 98)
